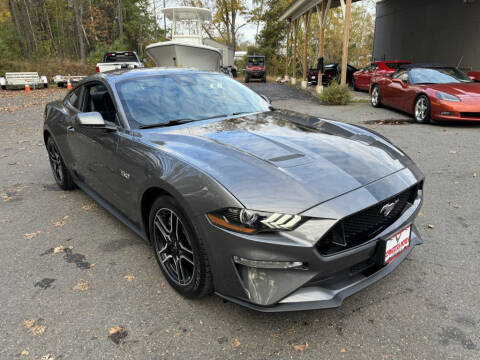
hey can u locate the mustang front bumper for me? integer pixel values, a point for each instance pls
(324, 281)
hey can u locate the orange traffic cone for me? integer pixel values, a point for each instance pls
(27, 87)
(69, 84)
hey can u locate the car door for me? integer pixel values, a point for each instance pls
(95, 148)
(397, 91)
(368, 76)
(71, 107)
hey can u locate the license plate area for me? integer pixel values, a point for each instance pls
(397, 244)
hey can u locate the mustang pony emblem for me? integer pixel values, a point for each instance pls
(387, 208)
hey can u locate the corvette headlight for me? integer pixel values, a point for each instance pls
(446, 96)
(251, 221)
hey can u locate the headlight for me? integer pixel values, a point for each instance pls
(445, 96)
(251, 221)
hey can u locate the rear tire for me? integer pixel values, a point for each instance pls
(59, 170)
(421, 110)
(180, 254)
(247, 79)
(376, 97)
(264, 79)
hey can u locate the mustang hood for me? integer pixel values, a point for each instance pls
(282, 161)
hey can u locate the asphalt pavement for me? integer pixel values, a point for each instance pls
(77, 284)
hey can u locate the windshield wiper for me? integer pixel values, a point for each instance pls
(168, 123)
(178, 122)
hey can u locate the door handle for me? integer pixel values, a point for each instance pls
(70, 129)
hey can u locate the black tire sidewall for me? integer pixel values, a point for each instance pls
(196, 287)
(67, 182)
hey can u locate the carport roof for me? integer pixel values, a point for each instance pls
(300, 7)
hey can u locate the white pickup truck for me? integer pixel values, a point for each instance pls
(116, 60)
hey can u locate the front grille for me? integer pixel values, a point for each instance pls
(470, 114)
(358, 228)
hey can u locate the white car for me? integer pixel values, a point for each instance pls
(116, 60)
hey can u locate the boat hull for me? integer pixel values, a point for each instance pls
(176, 54)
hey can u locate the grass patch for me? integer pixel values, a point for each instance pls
(336, 94)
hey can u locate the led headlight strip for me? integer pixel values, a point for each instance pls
(251, 221)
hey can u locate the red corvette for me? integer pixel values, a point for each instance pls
(429, 93)
(362, 77)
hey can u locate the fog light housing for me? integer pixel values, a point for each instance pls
(266, 264)
(447, 113)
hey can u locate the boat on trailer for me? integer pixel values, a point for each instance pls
(186, 49)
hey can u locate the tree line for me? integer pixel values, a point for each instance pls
(83, 30)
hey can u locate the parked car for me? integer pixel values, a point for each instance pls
(331, 72)
(255, 68)
(363, 77)
(429, 92)
(274, 210)
(474, 75)
(115, 60)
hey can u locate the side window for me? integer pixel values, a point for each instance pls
(402, 75)
(98, 99)
(74, 98)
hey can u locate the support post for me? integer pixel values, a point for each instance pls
(305, 49)
(346, 38)
(321, 50)
(288, 49)
(294, 59)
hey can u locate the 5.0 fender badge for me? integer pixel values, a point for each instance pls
(125, 174)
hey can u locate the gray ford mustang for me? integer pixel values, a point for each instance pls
(274, 210)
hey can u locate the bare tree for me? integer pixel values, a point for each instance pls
(77, 10)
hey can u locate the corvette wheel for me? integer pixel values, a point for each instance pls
(376, 97)
(179, 253)
(422, 110)
(59, 170)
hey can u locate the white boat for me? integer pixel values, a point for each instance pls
(186, 49)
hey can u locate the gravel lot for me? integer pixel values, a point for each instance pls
(105, 297)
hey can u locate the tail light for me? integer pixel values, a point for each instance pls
(97, 69)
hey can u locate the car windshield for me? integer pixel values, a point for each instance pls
(162, 99)
(438, 76)
(256, 61)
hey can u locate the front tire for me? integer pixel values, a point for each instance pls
(178, 250)
(421, 111)
(376, 98)
(59, 170)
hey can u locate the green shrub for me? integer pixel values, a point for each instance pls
(336, 94)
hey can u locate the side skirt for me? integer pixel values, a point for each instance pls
(112, 210)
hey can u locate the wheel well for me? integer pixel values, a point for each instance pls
(46, 135)
(148, 197)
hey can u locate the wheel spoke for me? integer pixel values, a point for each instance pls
(162, 227)
(168, 257)
(182, 273)
(184, 248)
(187, 259)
